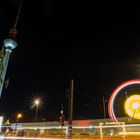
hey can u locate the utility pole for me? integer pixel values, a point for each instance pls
(70, 108)
(104, 108)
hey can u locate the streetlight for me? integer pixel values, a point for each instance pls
(36, 104)
(19, 115)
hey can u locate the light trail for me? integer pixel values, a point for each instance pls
(30, 138)
(113, 96)
(80, 127)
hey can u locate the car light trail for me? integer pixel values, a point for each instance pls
(30, 138)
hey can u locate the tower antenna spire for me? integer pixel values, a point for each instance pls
(13, 31)
(17, 18)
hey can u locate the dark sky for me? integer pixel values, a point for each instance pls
(96, 44)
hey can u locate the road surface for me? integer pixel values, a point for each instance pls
(27, 138)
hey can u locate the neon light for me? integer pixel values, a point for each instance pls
(115, 93)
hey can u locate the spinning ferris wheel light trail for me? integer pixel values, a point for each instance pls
(114, 95)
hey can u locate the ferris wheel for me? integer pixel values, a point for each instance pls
(131, 104)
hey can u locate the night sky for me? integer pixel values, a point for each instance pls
(96, 44)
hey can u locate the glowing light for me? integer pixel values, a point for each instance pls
(31, 138)
(115, 93)
(135, 105)
(37, 102)
(19, 116)
(10, 43)
(1, 120)
(132, 106)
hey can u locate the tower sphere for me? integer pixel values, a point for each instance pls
(10, 43)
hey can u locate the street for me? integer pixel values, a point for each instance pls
(34, 138)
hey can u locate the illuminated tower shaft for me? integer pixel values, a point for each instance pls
(9, 44)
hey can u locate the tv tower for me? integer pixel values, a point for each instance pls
(8, 45)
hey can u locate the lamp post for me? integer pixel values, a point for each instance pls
(70, 108)
(104, 108)
(19, 115)
(36, 103)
